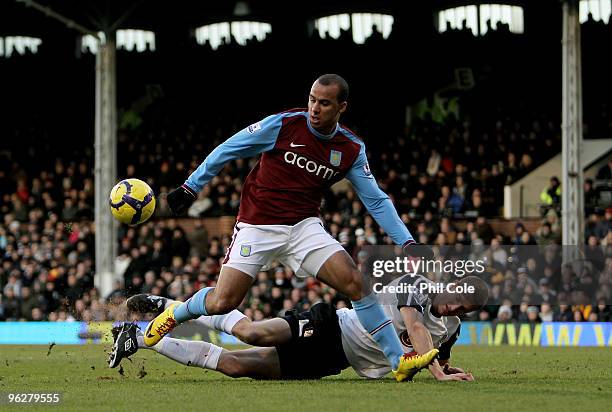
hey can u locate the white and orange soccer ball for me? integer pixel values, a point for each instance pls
(132, 201)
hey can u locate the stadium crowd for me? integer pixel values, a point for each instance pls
(445, 173)
(47, 244)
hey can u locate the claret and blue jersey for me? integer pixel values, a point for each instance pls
(297, 165)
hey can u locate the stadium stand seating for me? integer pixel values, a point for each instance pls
(445, 174)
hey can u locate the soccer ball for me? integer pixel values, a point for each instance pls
(132, 201)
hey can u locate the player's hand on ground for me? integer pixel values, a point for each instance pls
(449, 370)
(418, 250)
(456, 377)
(462, 377)
(180, 199)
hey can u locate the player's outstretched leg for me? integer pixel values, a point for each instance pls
(269, 332)
(259, 363)
(128, 339)
(231, 288)
(340, 272)
(145, 303)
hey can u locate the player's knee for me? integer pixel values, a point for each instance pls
(243, 331)
(250, 335)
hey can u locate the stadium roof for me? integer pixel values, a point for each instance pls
(16, 18)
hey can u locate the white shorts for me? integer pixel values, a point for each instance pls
(304, 247)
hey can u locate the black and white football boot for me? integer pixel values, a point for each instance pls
(125, 343)
(145, 303)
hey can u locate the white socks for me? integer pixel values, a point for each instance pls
(195, 353)
(140, 340)
(224, 323)
(190, 353)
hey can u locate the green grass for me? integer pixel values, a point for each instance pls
(507, 378)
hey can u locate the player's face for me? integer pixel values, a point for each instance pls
(324, 110)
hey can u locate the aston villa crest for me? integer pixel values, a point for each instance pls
(245, 250)
(335, 158)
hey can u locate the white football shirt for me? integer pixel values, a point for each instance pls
(362, 351)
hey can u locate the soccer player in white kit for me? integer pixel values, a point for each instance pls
(322, 341)
(303, 153)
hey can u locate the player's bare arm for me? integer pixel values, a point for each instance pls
(445, 355)
(422, 343)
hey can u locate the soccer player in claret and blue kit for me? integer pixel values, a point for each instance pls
(303, 153)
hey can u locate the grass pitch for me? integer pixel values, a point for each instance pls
(507, 378)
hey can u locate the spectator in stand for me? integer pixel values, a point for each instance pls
(545, 235)
(533, 314)
(551, 196)
(11, 305)
(504, 314)
(442, 168)
(604, 226)
(603, 311)
(564, 314)
(591, 197)
(546, 313)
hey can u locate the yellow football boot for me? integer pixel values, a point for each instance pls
(160, 326)
(411, 363)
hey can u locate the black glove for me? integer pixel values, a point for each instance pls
(180, 199)
(418, 250)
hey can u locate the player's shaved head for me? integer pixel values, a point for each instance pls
(334, 79)
(479, 297)
(473, 296)
(327, 102)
